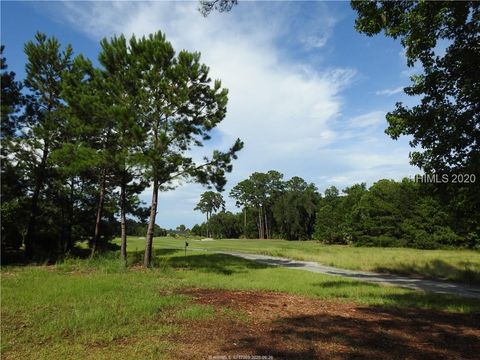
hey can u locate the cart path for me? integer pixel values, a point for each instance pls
(441, 287)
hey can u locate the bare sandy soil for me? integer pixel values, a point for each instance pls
(282, 326)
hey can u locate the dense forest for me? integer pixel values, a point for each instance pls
(409, 213)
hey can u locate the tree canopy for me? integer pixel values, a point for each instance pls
(88, 140)
(444, 126)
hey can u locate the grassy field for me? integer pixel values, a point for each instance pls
(94, 309)
(455, 265)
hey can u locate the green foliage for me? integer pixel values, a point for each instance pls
(443, 127)
(225, 225)
(13, 197)
(391, 214)
(210, 202)
(444, 124)
(295, 208)
(138, 228)
(89, 140)
(259, 192)
(12, 99)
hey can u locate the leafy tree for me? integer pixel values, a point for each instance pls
(264, 188)
(225, 225)
(198, 230)
(444, 126)
(380, 213)
(243, 193)
(181, 228)
(295, 209)
(348, 207)
(330, 218)
(210, 202)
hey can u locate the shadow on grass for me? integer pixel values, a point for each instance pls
(216, 263)
(369, 333)
(17, 256)
(437, 269)
(136, 257)
(411, 299)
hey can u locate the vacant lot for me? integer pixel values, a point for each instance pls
(211, 304)
(455, 265)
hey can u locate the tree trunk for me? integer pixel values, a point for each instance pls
(260, 223)
(101, 201)
(151, 225)
(123, 220)
(245, 222)
(29, 239)
(266, 225)
(208, 230)
(69, 244)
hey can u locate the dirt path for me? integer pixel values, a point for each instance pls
(441, 287)
(268, 325)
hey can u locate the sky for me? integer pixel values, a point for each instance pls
(307, 93)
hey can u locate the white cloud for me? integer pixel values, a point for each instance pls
(370, 119)
(389, 92)
(312, 42)
(285, 111)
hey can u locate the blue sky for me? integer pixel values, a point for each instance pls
(308, 94)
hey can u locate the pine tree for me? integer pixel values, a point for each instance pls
(176, 106)
(45, 69)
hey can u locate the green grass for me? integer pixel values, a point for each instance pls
(95, 309)
(454, 265)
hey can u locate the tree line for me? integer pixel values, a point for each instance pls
(80, 142)
(407, 213)
(440, 39)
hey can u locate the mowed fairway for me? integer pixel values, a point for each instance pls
(455, 265)
(208, 304)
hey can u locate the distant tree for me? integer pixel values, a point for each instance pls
(243, 193)
(331, 193)
(210, 202)
(348, 207)
(330, 218)
(295, 209)
(258, 192)
(225, 225)
(181, 228)
(198, 229)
